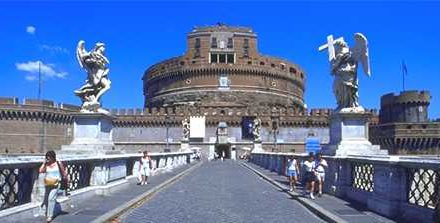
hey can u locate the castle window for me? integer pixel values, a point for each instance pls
(214, 42)
(197, 53)
(272, 65)
(230, 43)
(197, 44)
(246, 48)
(246, 43)
(249, 62)
(214, 58)
(197, 48)
(230, 58)
(262, 63)
(222, 58)
(245, 52)
(292, 70)
(182, 63)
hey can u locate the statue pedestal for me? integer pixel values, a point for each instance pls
(92, 134)
(349, 135)
(258, 147)
(184, 145)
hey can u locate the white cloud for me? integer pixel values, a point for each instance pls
(54, 49)
(33, 67)
(31, 30)
(30, 77)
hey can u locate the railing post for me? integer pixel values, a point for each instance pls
(338, 179)
(390, 190)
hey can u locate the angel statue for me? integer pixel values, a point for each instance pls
(185, 126)
(257, 130)
(97, 82)
(344, 63)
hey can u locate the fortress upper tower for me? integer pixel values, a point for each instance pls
(223, 68)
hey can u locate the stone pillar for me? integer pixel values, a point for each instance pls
(107, 171)
(258, 147)
(349, 135)
(184, 146)
(92, 134)
(390, 190)
(338, 177)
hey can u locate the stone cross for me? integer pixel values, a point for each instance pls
(330, 46)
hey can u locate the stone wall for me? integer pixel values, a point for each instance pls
(34, 126)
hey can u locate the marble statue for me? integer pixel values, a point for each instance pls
(344, 64)
(185, 126)
(257, 129)
(97, 83)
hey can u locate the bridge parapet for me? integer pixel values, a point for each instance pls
(398, 187)
(23, 189)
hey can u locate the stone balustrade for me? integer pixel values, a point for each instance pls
(401, 188)
(22, 186)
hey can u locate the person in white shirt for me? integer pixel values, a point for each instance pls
(320, 165)
(145, 168)
(310, 175)
(292, 172)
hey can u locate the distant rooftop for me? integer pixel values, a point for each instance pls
(222, 27)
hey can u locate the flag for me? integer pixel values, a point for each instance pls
(404, 69)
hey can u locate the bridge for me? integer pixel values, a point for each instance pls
(358, 189)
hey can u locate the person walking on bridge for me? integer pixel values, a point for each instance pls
(54, 173)
(310, 175)
(145, 167)
(292, 172)
(320, 165)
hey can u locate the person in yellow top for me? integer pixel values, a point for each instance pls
(54, 171)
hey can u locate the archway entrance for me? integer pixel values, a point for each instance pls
(223, 150)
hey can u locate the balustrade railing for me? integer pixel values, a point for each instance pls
(20, 182)
(401, 187)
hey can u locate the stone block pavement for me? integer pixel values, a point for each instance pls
(214, 191)
(221, 192)
(338, 208)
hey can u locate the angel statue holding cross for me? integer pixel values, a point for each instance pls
(344, 64)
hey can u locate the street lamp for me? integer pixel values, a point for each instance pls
(167, 118)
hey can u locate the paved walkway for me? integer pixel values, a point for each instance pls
(221, 192)
(86, 210)
(348, 211)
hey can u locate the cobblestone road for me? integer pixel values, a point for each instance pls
(221, 192)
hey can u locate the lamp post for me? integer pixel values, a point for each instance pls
(167, 118)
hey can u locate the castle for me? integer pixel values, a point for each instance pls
(221, 78)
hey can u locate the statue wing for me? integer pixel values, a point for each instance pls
(360, 52)
(80, 53)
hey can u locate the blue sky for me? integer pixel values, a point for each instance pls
(139, 34)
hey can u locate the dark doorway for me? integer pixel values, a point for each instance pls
(224, 149)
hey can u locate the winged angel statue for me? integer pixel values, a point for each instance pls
(344, 63)
(97, 83)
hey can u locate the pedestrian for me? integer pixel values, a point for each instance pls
(310, 175)
(320, 166)
(54, 173)
(145, 167)
(292, 171)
